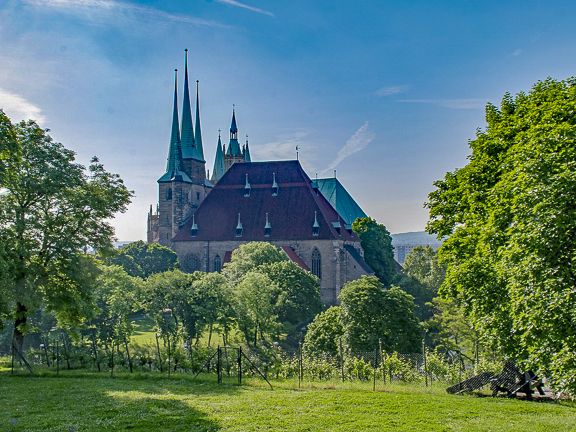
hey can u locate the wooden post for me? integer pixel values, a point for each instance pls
(375, 366)
(57, 358)
(219, 365)
(299, 364)
(128, 354)
(239, 365)
(382, 361)
(158, 351)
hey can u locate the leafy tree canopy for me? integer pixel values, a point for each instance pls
(144, 259)
(371, 312)
(51, 208)
(250, 255)
(324, 333)
(510, 218)
(377, 245)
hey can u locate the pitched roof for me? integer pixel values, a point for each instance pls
(290, 213)
(219, 168)
(340, 199)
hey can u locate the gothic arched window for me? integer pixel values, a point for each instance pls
(217, 263)
(316, 263)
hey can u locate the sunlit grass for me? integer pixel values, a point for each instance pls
(85, 401)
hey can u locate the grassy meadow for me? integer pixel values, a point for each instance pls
(76, 401)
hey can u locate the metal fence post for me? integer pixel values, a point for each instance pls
(300, 366)
(382, 361)
(425, 363)
(341, 359)
(375, 366)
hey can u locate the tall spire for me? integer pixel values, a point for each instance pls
(233, 145)
(219, 168)
(233, 127)
(188, 145)
(199, 151)
(174, 162)
(247, 156)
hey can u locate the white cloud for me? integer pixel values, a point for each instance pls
(281, 149)
(357, 142)
(457, 104)
(391, 90)
(19, 108)
(238, 4)
(95, 10)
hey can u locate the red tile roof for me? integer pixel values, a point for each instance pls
(291, 212)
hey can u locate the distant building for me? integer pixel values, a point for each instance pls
(404, 243)
(204, 220)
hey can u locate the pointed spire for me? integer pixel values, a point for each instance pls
(233, 127)
(188, 144)
(233, 146)
(247, 157)
(174, 163)
(199, 150)
(219, 168)
(315, 225)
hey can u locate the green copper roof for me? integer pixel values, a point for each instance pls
(199, 151)
(174, 171)
(218, 170)
(247, 156)
(188, 145)
(340, 199)
(233, 145)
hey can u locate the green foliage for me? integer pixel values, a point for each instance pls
(250, 255)
(510, 218)
(254, 307)
(116, 295)
(377, 245)
(324, 333)
(51, 209)
(145, 259)
(371, 313)
(297, 298)
(421, 278)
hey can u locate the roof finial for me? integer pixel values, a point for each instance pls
(297, 155)
(334, 173)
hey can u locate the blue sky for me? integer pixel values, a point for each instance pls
(386, 92)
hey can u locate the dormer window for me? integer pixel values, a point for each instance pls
(274, 185)
(239, 227)
(194, 227)
(267, 227)
(247, 187)
(315, 226)
(337, 226)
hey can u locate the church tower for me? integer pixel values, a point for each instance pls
(175, 185)
(233, 153)
(192, 151)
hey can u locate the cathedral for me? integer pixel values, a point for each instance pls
(204, 218)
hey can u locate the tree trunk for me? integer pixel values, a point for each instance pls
(19, 323)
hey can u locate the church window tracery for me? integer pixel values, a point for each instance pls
(316, 263)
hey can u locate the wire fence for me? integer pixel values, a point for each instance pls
(230, 364)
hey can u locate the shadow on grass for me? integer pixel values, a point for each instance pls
(95, 402)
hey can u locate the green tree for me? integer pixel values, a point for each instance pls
(212, 298)
(254, 306)
(324, 333)
(510, 219)
(249, 256)
(371, 312)
(297, 297)
(144, 259)
(50, 210)
(421, 277)
(377, 245)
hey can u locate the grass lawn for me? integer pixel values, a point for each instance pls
(96, 402)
